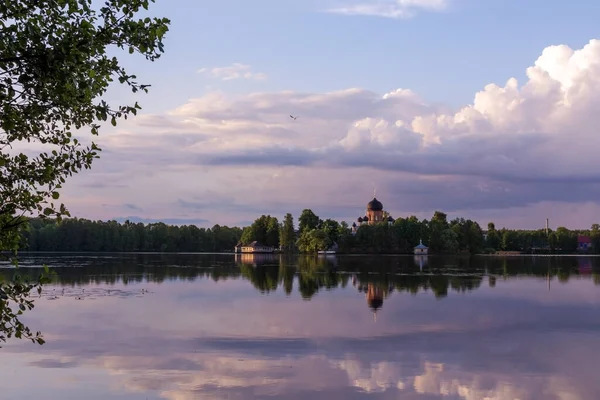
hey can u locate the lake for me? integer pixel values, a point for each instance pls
(220, 326)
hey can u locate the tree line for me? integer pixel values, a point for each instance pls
(456, 236)
(75, 234)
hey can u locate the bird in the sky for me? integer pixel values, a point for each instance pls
(292, 117)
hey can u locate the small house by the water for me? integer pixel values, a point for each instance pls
(257, 247)
(421, 249)
(238, 248)
(584, 243)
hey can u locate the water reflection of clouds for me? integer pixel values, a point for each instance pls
(192, 341)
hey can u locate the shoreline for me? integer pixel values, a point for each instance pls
(25, 253)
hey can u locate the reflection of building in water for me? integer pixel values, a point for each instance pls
(585, 265)
(375, 294)
(374, 298)
(374, 215)
(330, 260)
(421, 261)
(257, 258)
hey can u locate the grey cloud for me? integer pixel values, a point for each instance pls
(473, 180)
(466, 156)
(459, 194)
(243, 223)
(342, 393)
(153, 121)
(102, 185)
(52, 363)
(276, 156)
(232, 205)
(132, 207)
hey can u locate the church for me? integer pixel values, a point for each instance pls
(374, 215)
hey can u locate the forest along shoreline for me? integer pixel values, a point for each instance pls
(443, 237)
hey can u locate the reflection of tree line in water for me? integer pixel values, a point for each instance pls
(268, 272)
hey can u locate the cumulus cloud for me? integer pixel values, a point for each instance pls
(390, 8)
(515, 145)
(508, 132)
(233, 71)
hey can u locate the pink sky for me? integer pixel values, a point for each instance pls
(518, 154)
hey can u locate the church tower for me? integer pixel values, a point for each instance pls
(374, 211)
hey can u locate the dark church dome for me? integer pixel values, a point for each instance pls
(375, 205)
(359, 219)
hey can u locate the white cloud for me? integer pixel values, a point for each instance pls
(391, 8)
(510, 131)
(234, 71)
(515, 145)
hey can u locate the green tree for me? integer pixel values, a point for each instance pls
(510, 240)
(14, 293)
(566, 240)
(287, 235)
(344, 229)
(54, 67)
(332, 231)
(272, 233)
(469, 235)
(595, 235)
(312, 241)
(493, 240)
(308, 220)
(449, 241)
(247, 235)
(264, 229)
(437, 237)
(74, 234)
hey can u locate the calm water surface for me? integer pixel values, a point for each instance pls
(193, 326)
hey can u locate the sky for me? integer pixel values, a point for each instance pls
(481, 109)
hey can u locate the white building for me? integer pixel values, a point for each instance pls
(421, 249)
(257, 247)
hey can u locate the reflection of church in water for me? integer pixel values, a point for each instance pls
(376, 292)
